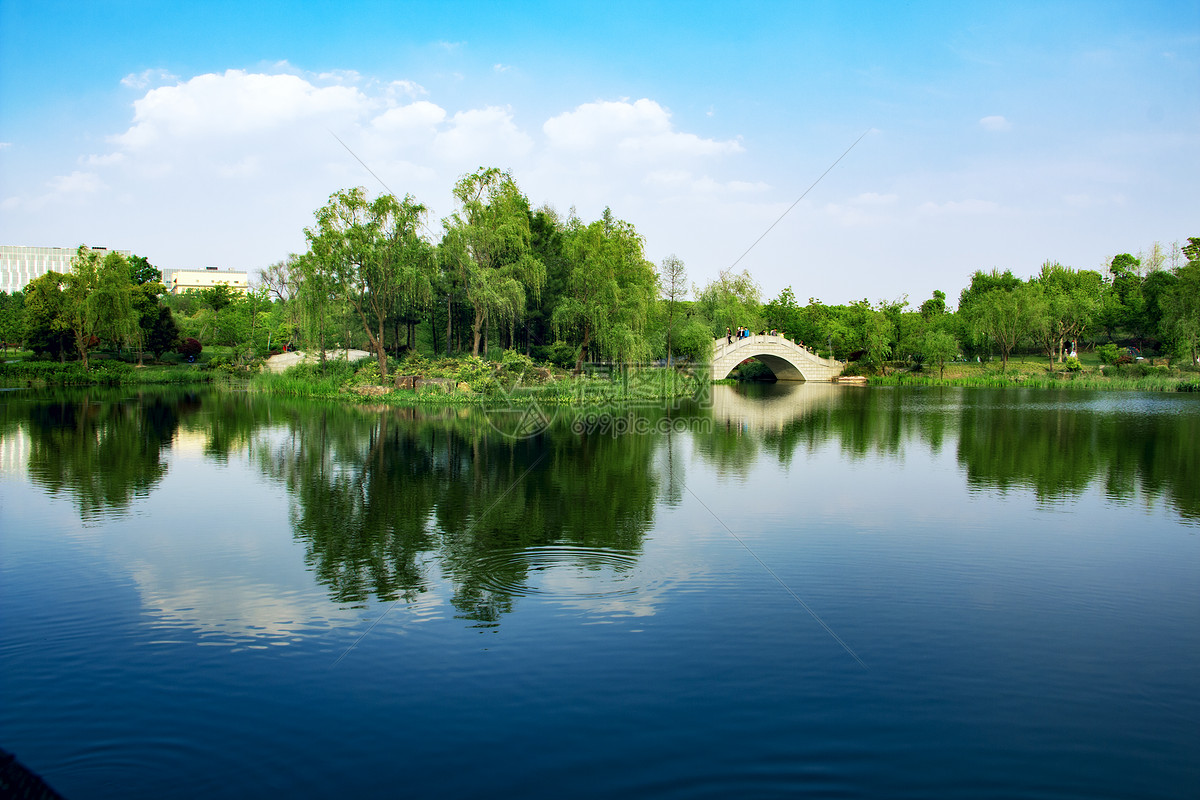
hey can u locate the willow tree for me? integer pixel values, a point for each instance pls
(487, 245)
(1004, 317)
(97, 303)
(315, 293)
(733, 299)
(1071, 300)
(610, 290)
(373, 254)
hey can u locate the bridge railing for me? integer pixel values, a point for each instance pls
(722, 347)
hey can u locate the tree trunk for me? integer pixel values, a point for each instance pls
(478, 331)
(583, 348)
(381, 353)
(670, 321)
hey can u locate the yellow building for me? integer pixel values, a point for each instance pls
(179, 281)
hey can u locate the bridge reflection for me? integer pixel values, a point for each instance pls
(770, 407)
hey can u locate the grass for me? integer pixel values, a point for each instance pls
(102, 372)
(1033, 372)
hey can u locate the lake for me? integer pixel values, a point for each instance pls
(770, 591)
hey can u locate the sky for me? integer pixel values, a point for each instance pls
(989, 135)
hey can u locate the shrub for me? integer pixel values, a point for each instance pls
(755, 371)
(1072, 364)
(515, 363)
(367, 373)
(1110, 353)
(190, 348)
(560, 354)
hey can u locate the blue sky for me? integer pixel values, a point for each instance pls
(1000, 134)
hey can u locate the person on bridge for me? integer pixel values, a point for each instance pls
(728, 335)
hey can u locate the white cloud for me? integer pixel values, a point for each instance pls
(995, 123)
(501, 68)
(340, 76)
(407, 89)
(76, 183)
(478, 134)
(5, 144)
(145, 78)
(415, 121)
(78, 188)
(214, 106)
(641, 130)
(106, 160)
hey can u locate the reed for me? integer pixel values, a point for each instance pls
(1167, 382)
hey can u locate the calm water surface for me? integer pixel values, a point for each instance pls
(798, 590)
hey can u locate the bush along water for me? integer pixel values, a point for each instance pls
(515, 378)
(1138, 376)
(100, 373)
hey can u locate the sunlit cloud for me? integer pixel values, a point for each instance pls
(640, 130)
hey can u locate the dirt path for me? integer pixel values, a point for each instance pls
(284, 360)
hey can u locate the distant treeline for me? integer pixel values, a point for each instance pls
(502, 276)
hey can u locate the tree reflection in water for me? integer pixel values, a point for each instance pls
(1057, 443)
(406, 492)
(386, 501)
(102, 448)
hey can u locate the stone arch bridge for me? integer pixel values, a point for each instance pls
(788, 360)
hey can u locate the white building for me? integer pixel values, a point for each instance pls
(179, 281)
(20, 265)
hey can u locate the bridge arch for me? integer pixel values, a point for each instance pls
(788, 360)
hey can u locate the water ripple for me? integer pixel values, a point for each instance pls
(561, 571)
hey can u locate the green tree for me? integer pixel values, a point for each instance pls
(1125, 306)
(548, 240)
(374, 254)
(45, 333)
(1003, 317)
(487, 244)
(672, 280)
(147, 309)
(160, 333)
(783, 314)
(12, 318)
(315, 292)
(732, 300)
(96, 301)
(1069, 301)
(141, 271)
(609, 292)
(934, 307)
(938, 347)
(1181, 305)
(870, 331)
